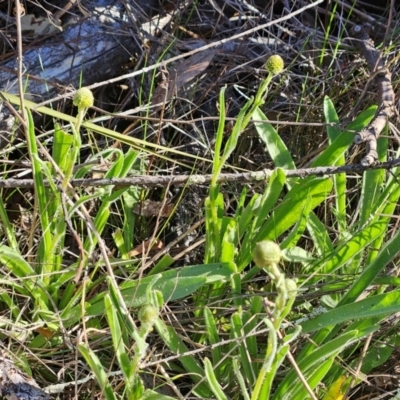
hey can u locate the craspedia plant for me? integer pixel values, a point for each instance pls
(275, 64)
(83, 98)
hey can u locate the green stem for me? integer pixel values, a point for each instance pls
(76, 146)
(269, 359)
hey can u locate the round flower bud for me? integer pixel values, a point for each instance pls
(148, 314)
(275, 64)
(291, 287)
(83, 98)
(266, 253)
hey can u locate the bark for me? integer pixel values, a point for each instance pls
(15, 385)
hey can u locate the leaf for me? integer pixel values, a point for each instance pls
(146, 246)
(96, 366)
(150, 208)
(152, 395)
(379, 305)
(176, 77)
(312, 191)
(173, 284)
(189, 362)
(311, 365)
(336, 391)
(275, 146)
(213, 381)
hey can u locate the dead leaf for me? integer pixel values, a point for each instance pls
(146, 246)
(176, 77)
(188, 69)
(151, 208)
(36, 26)
(46, 332)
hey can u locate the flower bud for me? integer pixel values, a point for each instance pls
(275, 64)
(148, 314)
(266, 253)
(83, 98)
(291, 287)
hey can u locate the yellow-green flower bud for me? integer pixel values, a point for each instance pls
(83, 98)
(266, 253)
(275, 64)
(291, 287)
(148, 314)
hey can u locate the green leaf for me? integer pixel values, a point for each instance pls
(152, 395)
(190, 364)
(173, 284)
(306, 195)
(275, 146)
(339, 180)
(98, 370)
(212, 380)
(379, 305)
(335, 151)
(213, 338)
(61, 147)
(118, 342)
(310, 364)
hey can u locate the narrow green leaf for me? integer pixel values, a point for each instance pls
(339, 180)
(98, 370)
(310, 193)
(212, 380)
(311, 363)
(213, 338)
(379, 305)
(117, 338)
(275, 146)
(191, 365)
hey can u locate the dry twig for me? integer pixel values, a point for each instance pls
(147, 181)
(386, 97)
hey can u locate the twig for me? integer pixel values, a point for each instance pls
(386, 97)
(360, 364)
(182, 180)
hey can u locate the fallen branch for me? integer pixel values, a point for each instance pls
(191, 180)
(386, 97)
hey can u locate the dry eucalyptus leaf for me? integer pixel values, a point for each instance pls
(188, 69)
(183, 73)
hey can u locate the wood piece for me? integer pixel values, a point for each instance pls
(92, 50)
(16, 385)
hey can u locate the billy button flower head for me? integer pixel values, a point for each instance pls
(266, 253)
(275, 64)
(83, 99)
(148, 314)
